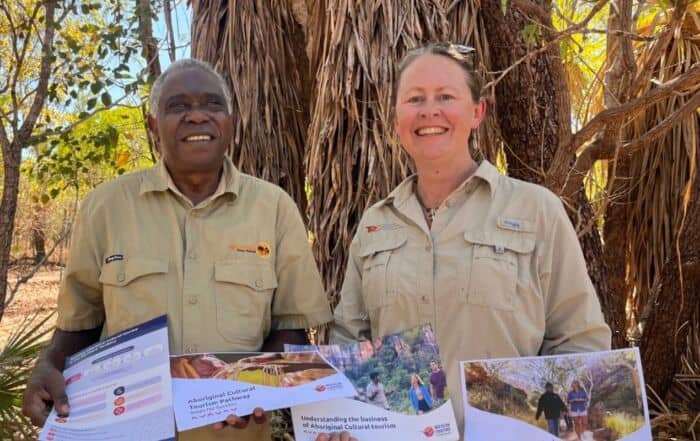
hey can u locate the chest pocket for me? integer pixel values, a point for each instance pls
(490, 278)
(244, 293)
(134, 290)
(381, 269)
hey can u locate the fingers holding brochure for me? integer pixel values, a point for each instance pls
(258, 416)
(343, 436)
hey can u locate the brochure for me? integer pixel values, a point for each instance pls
(401, 391)
(209, 387)
(590, 396)
(118, 389)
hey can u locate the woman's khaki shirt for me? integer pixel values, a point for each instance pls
(499, 274)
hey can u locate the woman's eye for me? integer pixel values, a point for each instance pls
(445, 97)
(414, 99)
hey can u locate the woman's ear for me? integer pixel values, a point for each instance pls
(479, 113)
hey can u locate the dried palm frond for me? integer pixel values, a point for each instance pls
(258, 47)
(660, 173)
(353, 158)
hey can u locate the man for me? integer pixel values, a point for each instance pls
(223, 254)
(376, 394)
(438, 382)
(553, 407)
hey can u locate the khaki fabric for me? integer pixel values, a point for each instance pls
(499, 274)
(226, 272)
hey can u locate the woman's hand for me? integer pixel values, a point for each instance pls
(343, 436)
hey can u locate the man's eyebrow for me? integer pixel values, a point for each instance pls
(178, 97)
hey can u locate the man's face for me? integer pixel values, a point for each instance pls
(434, 366)
(550, 388)
(193, 125)
(375, 380)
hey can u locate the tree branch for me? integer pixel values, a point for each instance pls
(533, 9)
(664, 126)
(45, 70)
(689, 79)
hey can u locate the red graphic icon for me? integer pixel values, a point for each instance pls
(429, 431)
(61, 420)
(119, 401)
(320, 388)
(74, 378)
(119, 410)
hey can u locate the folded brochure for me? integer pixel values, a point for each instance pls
(591, 396)
(209, 387)
(401, 392)
(118, 389)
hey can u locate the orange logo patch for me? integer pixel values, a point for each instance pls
(262, 249)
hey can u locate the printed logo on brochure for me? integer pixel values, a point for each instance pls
(328, 386)
(429, 431)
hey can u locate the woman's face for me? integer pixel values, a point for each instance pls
(435, 111)
(414, 381)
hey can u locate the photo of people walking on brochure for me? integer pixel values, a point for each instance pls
(400, 372)
(594, 396)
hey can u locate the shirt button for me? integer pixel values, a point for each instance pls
(121, 277)
(192, 300)
(258, 283)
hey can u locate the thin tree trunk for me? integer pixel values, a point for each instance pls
(8, 209)
(39, 244)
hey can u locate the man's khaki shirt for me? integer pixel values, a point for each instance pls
(226, 271)
(499, 274)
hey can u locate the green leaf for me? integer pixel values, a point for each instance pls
(504, 7)
(91, 103)
(106, 99)
(54, 192)
(96, 87)
(45, 198)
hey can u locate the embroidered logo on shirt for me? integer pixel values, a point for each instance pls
(382, 227)
(511, 223)
(262, 249)
(114, 258)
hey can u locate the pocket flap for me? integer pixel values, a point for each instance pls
(260, 277)
(385, 242)
(519, 243)
(123, 272)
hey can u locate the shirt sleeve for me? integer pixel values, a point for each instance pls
(80, 303)
(574, 321)
(299, 301)
(351, 318)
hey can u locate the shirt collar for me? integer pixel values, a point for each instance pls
(486, 172)
(158, 179)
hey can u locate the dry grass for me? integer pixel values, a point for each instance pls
(38, 295)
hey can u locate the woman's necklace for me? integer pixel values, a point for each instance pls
(428, 213)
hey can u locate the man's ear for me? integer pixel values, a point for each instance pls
(153, 126)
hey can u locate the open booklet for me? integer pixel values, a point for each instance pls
(401, 391)
(591, 396)
(118, 389)
(209, 387)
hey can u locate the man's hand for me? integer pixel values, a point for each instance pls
(45, 387)
(242, 422)
(344, 436)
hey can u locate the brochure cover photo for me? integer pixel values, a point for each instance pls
(209, 387)
(591, 396)
(400, 387)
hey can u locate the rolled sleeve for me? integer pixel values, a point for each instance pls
(80, 302)
(351, 321)
(574, 321)
(299, 300)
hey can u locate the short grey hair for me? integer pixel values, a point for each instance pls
(188, 63)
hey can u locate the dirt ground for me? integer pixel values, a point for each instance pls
(37, 295)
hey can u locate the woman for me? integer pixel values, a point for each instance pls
(491, 262)
(578, 407)
(419, 395)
